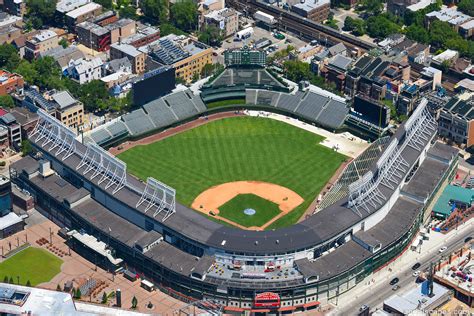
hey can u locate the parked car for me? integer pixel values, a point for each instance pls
(396, 287)
(416, 266)
(442, 249)
(468, 239)
(394, 281)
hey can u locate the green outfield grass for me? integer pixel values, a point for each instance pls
(234, 210)
(33, 264)
(239, 148)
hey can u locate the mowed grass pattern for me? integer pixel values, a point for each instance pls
(234, 210)
(33, 264)
(239, 148)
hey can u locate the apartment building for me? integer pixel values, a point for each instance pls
(144, 35)
(10, 82)
(456, 120)
(100, 37)
(85, 70)
(315, 10)
(40, 43)
(137, 58)
(460, 22)
(82, 14)
(225, 19)
(67, 109)
(186, 55)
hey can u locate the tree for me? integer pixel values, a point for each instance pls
(93, 95)
(104, 298)
(156, 10)
(381, 26)
(26, 147)
(63, 42)
(78, 294)
(107, 4)
(211, 35)
(466, 6)
(297, 70)
(128, 12)
(440, 32)
(41, 12)
(356, 26)
(195, 77)
(5, 279)
(9, 57)
(134, 302)
(6, 101)
(28, 283)
(27, 70)
(184, 15)
(372, 7)
(10, 280)
(418, 33)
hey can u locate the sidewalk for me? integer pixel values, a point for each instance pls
(401, 266)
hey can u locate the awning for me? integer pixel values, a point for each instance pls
(260, 311)
(286, 308)
(233, 309)
(315, 303)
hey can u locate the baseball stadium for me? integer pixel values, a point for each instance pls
(244, 212)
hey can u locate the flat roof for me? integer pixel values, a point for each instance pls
(83, 10)
(452, 192)
(9, 220)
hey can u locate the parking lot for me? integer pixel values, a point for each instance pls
(258, 34)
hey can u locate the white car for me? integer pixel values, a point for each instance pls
(442, 249)
(416, 273)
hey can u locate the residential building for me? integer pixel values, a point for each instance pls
(420, 5)
(7, 20)
(336, 69)
(105, 18)
(315, 10)
(225, 19)
(9, 34)
(10, 82)
(100, 37)
(136, 57)
(459, 21)
(65, 6)
(466, 29)
(456, 120)
(68, 110)
(446, 56)
(338, 49)
(116, 78)
(64, 55)
(14, 128)
(85, 70)
(15, 7)
(186, 55)
(40, 43)
(144, 35)
(398, 7)
(82, 14)
(117, 65)
(419, 53)
(33, 100)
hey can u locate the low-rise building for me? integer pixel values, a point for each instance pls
(315, 10)
(116, 78)
(10, 82)
(65, 6)
(40, 43)
(15, 7)
(137, 58)
(336, 69)
(116, 65)
(225, 19)
(100, 37)
(64, 55)
(82, 14)
(9, 34)
(144, 35)
(456, 120)
(459, 21)
(85, 70)
(68, 110)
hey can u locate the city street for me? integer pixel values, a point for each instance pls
(373, 294)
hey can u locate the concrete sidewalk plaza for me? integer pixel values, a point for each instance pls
(76, 268)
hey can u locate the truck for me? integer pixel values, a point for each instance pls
(244, 34)
(260, 16)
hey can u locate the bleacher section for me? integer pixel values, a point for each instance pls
(138, 122)
(244, 76)
(160, 113)
(312, 105)
(181, 104)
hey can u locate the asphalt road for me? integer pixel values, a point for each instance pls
(378, 293)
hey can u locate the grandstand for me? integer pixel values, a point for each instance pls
(246, 77)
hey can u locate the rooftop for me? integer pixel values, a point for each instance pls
(452, 192)
(43, 36)
(83, 10)
(64, 99)
(127, 49)
(65, 6)
(9, 220)
(310, 5)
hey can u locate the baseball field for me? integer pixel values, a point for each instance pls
(278, 169)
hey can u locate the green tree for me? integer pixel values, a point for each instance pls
(104, 298)
(184, 15)
(93, 95)
(356, 26)
(26, 147)
(134, 302)
(107, 4)
(156, 10)
(297, 70)
(10, 280)
(28, 71)
(466, 6)
(63, 42)
(418, 33)
(211, 35)
(381, 26)
(6, 101)
(128, 12)
(28, 283)
(9, 58)
(78, 294)
(5, 279)
(372, 7)
(440, 32)
(41, 12)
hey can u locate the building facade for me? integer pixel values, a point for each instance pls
(40, 43)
